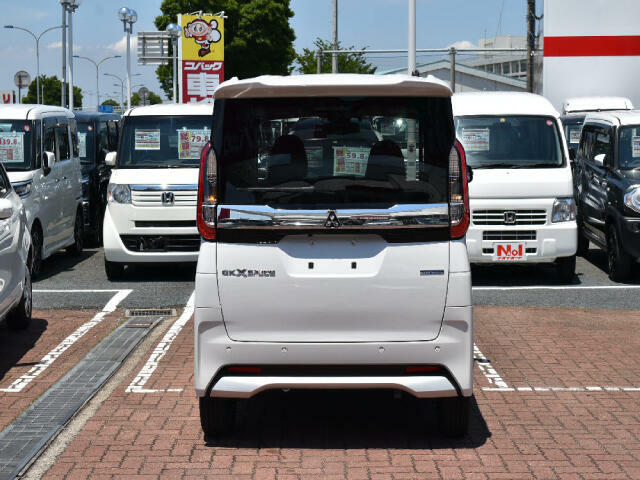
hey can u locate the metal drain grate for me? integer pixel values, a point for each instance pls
(151, 312)
(32, 430)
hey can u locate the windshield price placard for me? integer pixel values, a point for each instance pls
(191, 142)
(12, 147)
(475, 139)
(350, 160)
(147, 139)
(82, 144)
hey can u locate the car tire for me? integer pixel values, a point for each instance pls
(566, 268)
(114, 270)
(217, 415)
(78, 236)
(619, 261)
(453, 416)
(20, 317)
(36, 241)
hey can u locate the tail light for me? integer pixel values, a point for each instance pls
(458, 192)
(207, 193)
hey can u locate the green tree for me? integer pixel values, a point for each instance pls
(153, 99)
(51, 87)
(258, 37)
(307, 61)
(110, 101)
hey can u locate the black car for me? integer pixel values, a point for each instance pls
(607, 188)
(97, 135)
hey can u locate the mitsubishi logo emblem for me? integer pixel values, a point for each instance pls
(168, 198)
(332, 220)
(510, 218)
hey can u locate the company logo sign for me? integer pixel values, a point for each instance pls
(510, 251)
(168, 198)
(332, 220)
(248, 273)
(509, 218)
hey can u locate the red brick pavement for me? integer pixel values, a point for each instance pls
(21, 350)
(370, 435)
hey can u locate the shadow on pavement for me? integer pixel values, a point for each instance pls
(530, 274)
(344, 419)
(598, 258)
(15, 344)
(167, 272)
(62, 262)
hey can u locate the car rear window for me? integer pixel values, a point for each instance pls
(328, 152)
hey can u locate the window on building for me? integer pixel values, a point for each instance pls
(506, 68)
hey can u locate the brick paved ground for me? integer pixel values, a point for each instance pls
(22, 350)
(369, 435)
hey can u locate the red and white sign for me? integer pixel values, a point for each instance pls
(8, 96)
(200, 78)
(505, 252)
(591, 48)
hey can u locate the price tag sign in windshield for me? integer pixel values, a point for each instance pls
(191, 142)
(12, 147)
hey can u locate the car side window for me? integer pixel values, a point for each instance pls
(62, 139)
(602, 143)
(103, 141)
(38, 140)
(113, 136)
(586, 144)
(49, 137)
(74, 136)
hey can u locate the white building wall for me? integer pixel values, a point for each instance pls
(607, 75)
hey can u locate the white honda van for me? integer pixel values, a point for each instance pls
(151, 196)
(38, 148)
(330, 259)
(522, 205)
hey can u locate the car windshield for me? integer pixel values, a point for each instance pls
(16, 144)
(163, 141)
(323, 152)
(510, 141)
(86, 145)
(629, 147)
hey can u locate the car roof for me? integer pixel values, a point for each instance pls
(91, 116)
(170, 109)
(21, 111)
(331, 85)
(620, 117)
(595, 104)
(501, 103)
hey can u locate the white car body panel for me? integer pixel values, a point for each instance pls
(518, 189)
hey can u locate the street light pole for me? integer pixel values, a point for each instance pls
(121, 88)
(71, 6)
(128, 17)
(63, 101)
(174, 31)
(97, 65)
(411, 123)
(334, 56)
(37, 39)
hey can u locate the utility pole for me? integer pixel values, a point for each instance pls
(319, 65)
(452, 55)
(411, 123)
(334, 56)
(531, 42)
(63, 101)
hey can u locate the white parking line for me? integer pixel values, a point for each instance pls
(559, 287)
(51, 357)
(138, 383)
(487, 369)
(562, 389)
(75, 291)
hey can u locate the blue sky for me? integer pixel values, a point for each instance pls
(377, 24)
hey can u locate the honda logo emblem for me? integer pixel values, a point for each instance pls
(168, 198)
(332, 220)
(509, 218)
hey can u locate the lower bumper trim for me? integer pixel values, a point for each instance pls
(418, 386)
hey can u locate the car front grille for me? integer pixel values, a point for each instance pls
(499, 217)
(161, 243)
(152, 195)
(499, 235)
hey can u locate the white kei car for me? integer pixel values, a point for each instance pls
(333, 248)
(15, 258)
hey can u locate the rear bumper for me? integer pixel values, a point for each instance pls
(452, 349)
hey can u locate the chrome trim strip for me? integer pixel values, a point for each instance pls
(162, 188)
(398, 216)
(421, 387)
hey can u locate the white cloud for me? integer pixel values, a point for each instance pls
(463, 44)
(120, 47)
(55, 45)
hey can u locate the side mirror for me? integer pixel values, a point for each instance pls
(110, 159)
(469, 174)
(6, 208)
(600, 159)
(572, 154)
(48, 160)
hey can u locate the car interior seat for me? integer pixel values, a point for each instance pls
(385, 158)
(288, 160)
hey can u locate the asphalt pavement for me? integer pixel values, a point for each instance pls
(169, 285)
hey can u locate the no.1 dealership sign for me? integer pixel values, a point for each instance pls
(201, 52)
